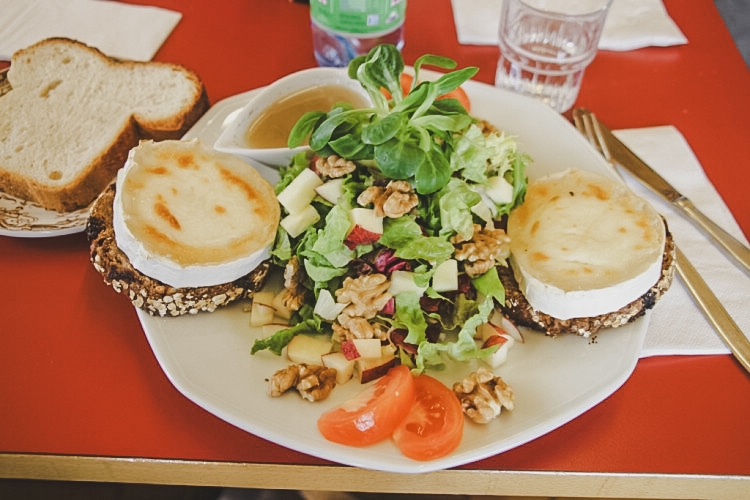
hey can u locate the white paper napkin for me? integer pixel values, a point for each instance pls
(677, 326)
(119, 30)
(631, 24)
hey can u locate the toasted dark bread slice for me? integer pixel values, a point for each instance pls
(518, 309)
(146, 293)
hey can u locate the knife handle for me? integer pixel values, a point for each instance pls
(709, 304)
(733, 247)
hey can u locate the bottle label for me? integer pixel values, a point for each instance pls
(358, 16)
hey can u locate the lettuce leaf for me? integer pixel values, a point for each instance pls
(455, 203)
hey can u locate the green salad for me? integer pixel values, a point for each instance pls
(392, 221)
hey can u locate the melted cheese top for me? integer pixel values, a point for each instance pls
(583, 245)
(190, 216)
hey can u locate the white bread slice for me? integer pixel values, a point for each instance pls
(74, 113)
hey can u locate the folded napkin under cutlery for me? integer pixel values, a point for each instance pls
(631, 24)
(119, 30)
(677, 325)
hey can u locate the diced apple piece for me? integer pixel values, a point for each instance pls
(499, 190)
(403, 281)
(296, 223)
(504, 325)
(326, 306)
(504, 343)
(300, 192)
(361, 348)
(263, 296)
(483, 211)
(282, 311)
(485, 331)
(344, 367)
(308, 348)
(367, 219)
(367, 227)
(445, 277)
(370, 369)
(331, 190)
(490, 334)
(368, 348)
(261, 310)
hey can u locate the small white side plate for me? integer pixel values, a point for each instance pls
(25, 219)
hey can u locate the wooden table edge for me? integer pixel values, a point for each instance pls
(350, 479)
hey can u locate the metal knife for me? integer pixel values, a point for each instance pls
(722, 322)
(624, 157)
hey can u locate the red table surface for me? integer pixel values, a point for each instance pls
(77, 375)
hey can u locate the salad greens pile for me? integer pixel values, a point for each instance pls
(450, 161)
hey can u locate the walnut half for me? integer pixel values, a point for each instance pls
(334, 166)
(365, 295)
(313, 382)
(393, 200)
(487, 248)
(483, 395)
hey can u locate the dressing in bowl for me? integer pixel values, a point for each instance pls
(261, 129)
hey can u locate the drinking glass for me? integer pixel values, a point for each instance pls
(545, 46)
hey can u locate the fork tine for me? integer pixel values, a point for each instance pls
(603, 147)
(578, 114)
(583, 122)
(586, 122)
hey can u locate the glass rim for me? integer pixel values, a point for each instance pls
(538, 6)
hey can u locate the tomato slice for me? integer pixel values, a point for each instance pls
(371, 416)
(458, 93)
(434, 426)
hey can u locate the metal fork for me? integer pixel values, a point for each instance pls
(709, 304)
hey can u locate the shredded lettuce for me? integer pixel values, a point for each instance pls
(455, 203)
(448, 159)
(307, 322)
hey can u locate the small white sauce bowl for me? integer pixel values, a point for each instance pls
(233, 137)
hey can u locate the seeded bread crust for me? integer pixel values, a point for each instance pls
(149, 294)
(520, 311)
(74, 113)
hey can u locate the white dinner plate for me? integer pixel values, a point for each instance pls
(207, 356)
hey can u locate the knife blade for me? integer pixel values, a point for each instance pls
(628, 160)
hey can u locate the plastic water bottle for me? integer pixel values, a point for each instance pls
(345, 29)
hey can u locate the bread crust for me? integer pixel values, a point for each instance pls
(148, 294)
(94, 173)
(518, 309)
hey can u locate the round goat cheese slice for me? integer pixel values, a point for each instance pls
(583, 245)
(190, 216)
